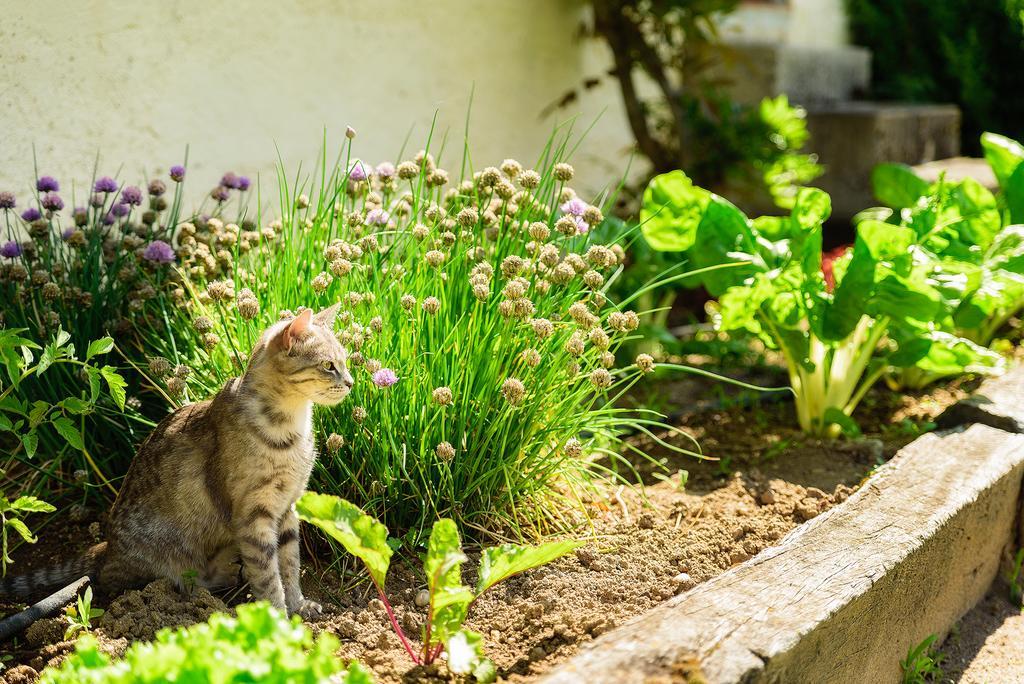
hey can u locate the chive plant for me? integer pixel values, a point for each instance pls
(479, 325)
(102, 264)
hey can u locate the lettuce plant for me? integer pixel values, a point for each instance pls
(450, 600)
(839, 334)
(259, 644)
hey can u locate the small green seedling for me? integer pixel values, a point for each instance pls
(449, 600)
(1016, 580)
(11, 513)
(923, 663)
(80, 616)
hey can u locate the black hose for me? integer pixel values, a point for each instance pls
(18, 622)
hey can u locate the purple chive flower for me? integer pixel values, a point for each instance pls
(47, 184)
(120, 209)
(108, 218)
(177, 173)
(377, 216)
(581, 225)
(229, 180)
(357, 171)
(51, 201)
(67, 232)
(574, 207)
(244, 183)
(105, 184)
(385, 377)
(7, 200)
(386, 170)
(31, 214)
(220, 193)
(159, 252)
(10, 250)
(131, 195)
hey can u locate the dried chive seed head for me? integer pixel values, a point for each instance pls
(573, 448)
(431, 305)
(335, 442)
(564, 172)
(531, 357)
(513, 390)
(445, 451)
(442, 396)
(203, 324)
(159, 366)
(645, 363)
(601, 378)
(359, 414)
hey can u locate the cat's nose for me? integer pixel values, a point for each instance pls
(348, 382)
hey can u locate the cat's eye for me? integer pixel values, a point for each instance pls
(327, 366)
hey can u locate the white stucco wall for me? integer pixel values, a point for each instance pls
(138, 81)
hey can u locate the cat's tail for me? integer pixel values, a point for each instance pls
(53, 576)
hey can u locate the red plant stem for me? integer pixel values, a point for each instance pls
(395, 626)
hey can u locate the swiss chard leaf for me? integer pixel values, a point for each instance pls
(672, 208)
(1003, 154)
(897, 186)
(449, 598)
(361, 535)
(498, 563)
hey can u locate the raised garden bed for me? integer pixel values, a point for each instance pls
(648, 548)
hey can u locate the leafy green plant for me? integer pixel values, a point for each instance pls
(450, 600)
(974, 240)
(839, 334)
(11, 514)
(260, 644)
(25, 418)
(100, 263)
(923, 663)
(80, 615)
(479, 320)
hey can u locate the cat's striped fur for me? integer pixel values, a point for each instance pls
(215, 482)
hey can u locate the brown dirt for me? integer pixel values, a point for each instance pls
(644, 546)
(988, 644)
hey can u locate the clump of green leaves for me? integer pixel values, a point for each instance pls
(258, 645)
(81, 614)
(450, 600)
(24, 417)
(11, 514)
(977, 236)
(923, 663)
(839, 332)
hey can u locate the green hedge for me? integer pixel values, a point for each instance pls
(968, 52)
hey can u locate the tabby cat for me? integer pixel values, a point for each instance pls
(216, 481)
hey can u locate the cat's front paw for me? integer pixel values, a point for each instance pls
(308, 610)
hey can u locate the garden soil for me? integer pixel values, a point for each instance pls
(643, 546)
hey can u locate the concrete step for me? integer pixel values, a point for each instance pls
(808, 75)
(851, 138)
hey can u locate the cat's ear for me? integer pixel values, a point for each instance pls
(298, 326)
(326, 317)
